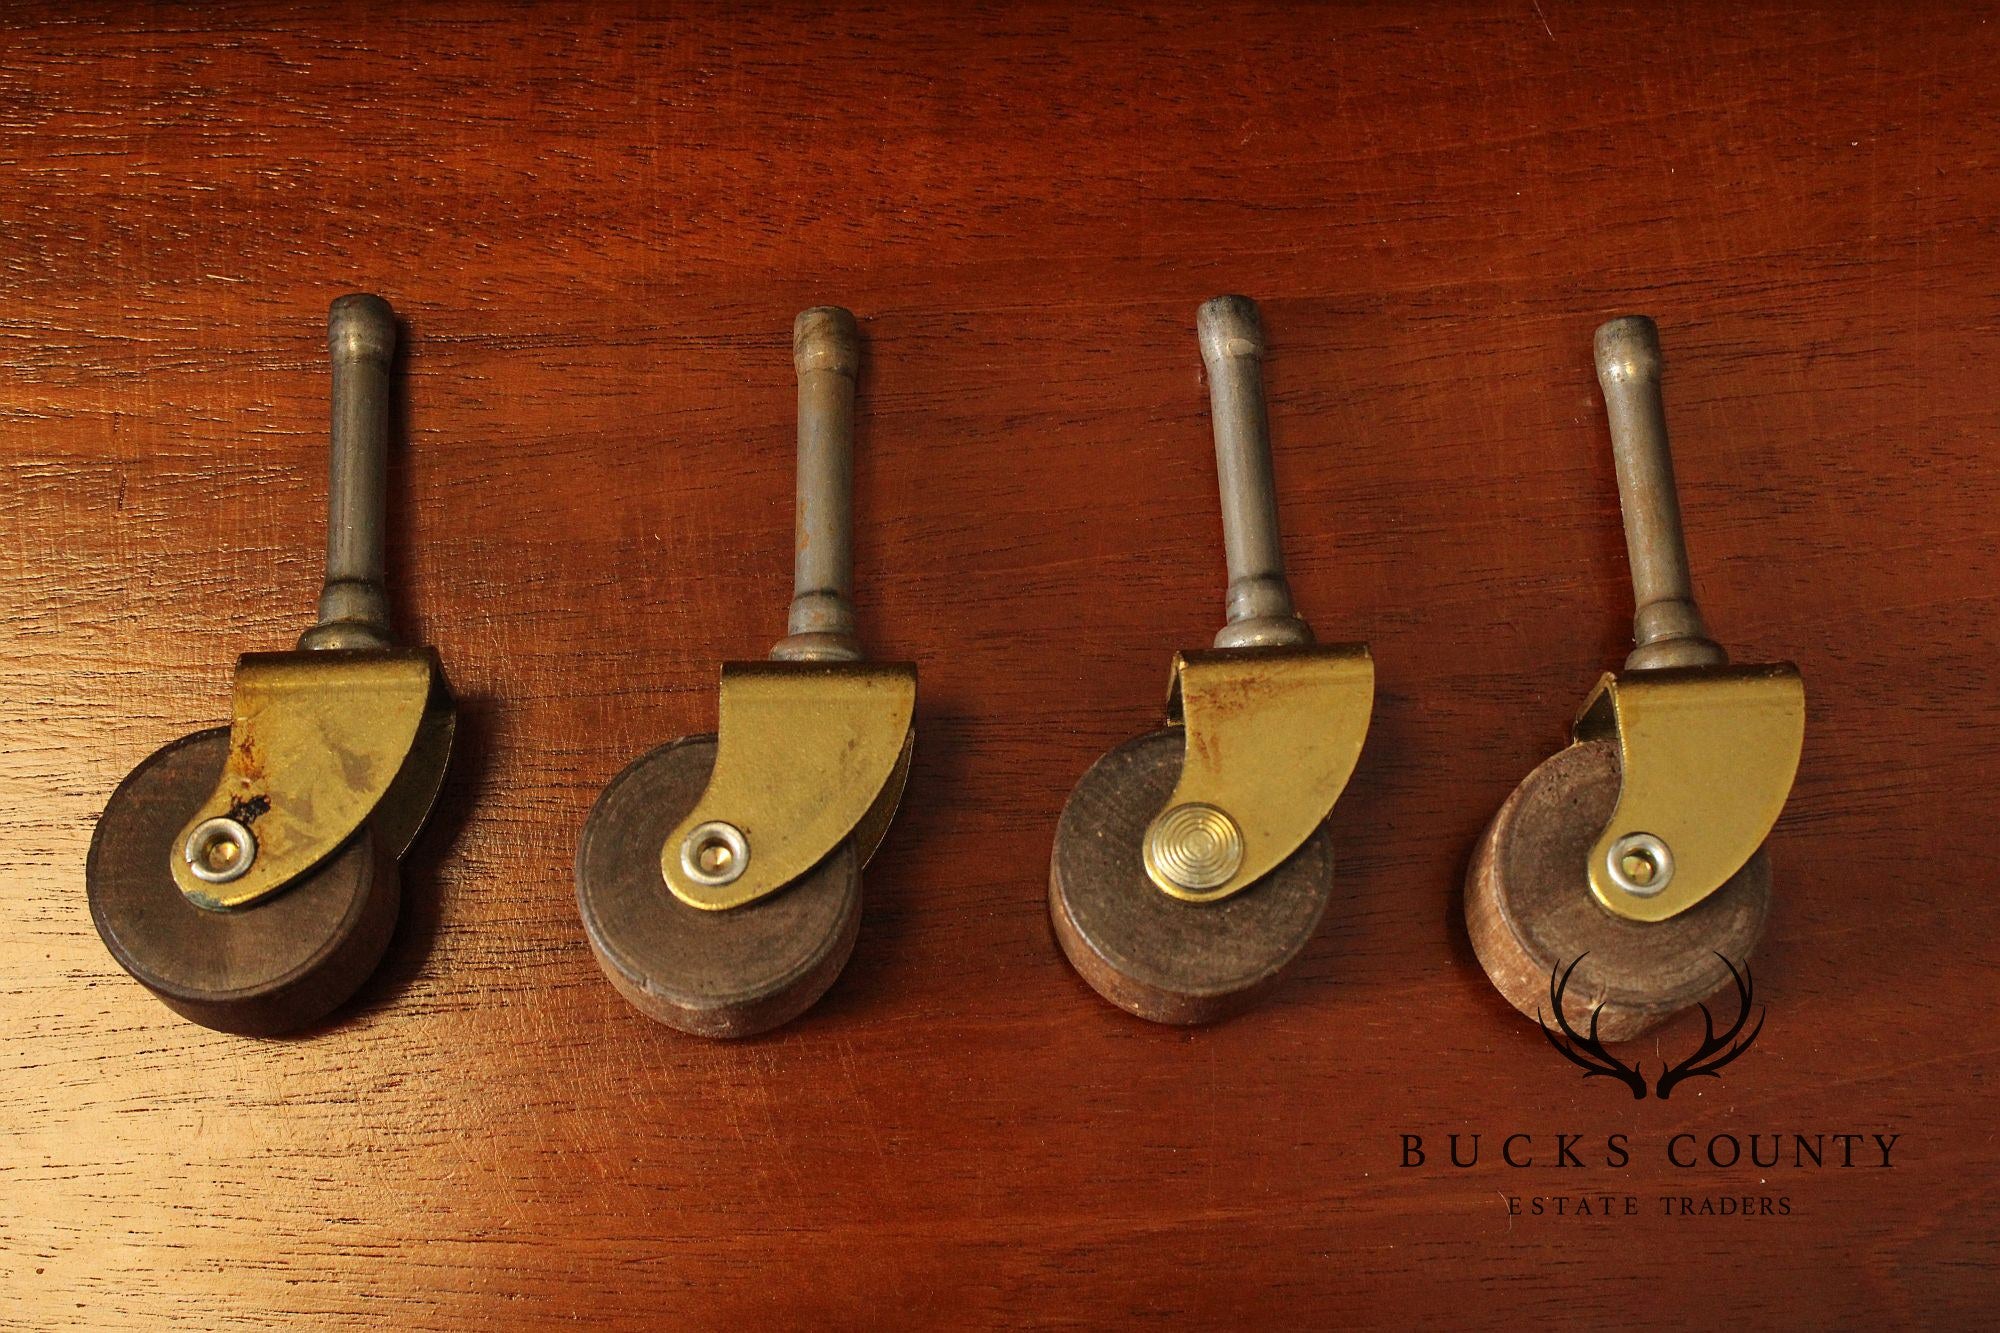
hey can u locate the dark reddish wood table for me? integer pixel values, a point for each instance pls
(598, 225)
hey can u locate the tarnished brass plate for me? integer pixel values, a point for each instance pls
(316, 739)
(807, 753)
(1273, 734)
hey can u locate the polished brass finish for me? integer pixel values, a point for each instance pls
(807, 754)
(316, 741)
(1706, 760)
(1272, 736)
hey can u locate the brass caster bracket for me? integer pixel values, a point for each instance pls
(1273, 735)
(1707, 757)
(320, 742)
(808, 755)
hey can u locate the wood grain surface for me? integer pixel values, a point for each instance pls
(598, 224)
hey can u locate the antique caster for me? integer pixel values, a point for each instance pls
(1192, 865)
(1635, 856)
(719, 876)
(246, 874)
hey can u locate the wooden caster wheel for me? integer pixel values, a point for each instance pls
(269, 968)
(730, 973)
(336, 754)
(1156, 956)
(1530, 911)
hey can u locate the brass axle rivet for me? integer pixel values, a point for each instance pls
(1194, 846)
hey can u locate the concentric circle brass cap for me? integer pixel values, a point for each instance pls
(1163, 958)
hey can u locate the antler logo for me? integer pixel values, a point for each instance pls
(1588, 1053)
(1715, 1052)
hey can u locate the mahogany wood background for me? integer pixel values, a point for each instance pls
(598, 224)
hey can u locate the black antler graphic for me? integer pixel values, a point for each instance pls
(1711, 1045)
(1594, 1060)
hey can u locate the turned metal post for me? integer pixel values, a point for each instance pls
(1667, 628)
(826, 351)
(353, 605)
(1260, 612)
